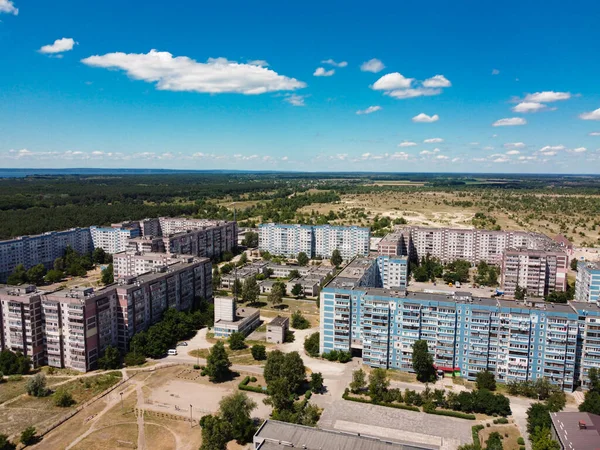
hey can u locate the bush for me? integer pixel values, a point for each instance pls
(243, 386)
(253, 379)
(299, 322)
(196, 367)
(5, 444)
(522, 447)
(36, 386)
(237, 341)
(308, 395)
(63, 398)
(14, 378)
(444, 412)
(259, 352)
(311, 345)
(134, 359)
(28, 436)
(475, 429)
(501, 420)
(521, 441)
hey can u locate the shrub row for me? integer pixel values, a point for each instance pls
(449, 413)
(475, 429)
(346, 396)
(243, 386)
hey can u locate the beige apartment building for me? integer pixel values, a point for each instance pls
(72, 328)
(539, 272)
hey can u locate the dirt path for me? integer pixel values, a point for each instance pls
(140, 418)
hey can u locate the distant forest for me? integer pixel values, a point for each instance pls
(35, 204)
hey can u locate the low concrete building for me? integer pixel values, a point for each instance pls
(275, 435)
(310, 286)
(277, 328)
(576, 430)
(266, 286)
(230, 320)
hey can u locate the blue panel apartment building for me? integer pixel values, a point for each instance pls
(587, 285)
(516, 341)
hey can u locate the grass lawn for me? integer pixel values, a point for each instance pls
(508, 442)
(116, 436)
(12, 389)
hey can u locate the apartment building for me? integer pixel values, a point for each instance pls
(393, 271)
(314, 240)
(146, 244)
(113, 239)
(131, 264)
(210, 240)
(539, 272)
(72, 328)
(515, 340)
(41, 249)
(587, 284)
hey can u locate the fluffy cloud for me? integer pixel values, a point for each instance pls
(595, 133)
(495, 72)
(59, 46)
(430, 152)
(373, 65)
(331, 62)
(501, 159)
(407, 144)
(433, 141)
(400, 156)
(592, 115)
(391, 81)
(578, 150)
(528, 107)
(550, 150)
(424, 118)
(295, 99)
(369, 110)
(547, 97)
(258, 62)
(509, 122)
(514, 145)
(8, 7)
(217, 75)
(410, 93)
(513, 152)
(441, 157)
(438, 81)
(321, 72)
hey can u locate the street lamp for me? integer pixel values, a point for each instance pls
(191, 419)
(121, 401)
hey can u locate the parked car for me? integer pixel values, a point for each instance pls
(172, 352)
(182, 344)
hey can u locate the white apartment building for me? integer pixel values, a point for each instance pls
(539, 272)
(287, 240)
(131, 264)
(112, 240)
(41, 249)
(350, 241)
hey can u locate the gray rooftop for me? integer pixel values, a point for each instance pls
(274, 435)
(577, 430)
(279, 321)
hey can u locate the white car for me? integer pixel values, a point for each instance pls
(172, 352)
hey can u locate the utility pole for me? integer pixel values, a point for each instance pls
(191, 419)
(121, 401)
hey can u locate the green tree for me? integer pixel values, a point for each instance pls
(312, 344)
(299, 322)
(336, 258)
(14, 363)
(63, 398)
(288, 366)
(134, 359)
(541, 439)
(302, 259)
(316, 381)
(520, 293)
(422, 362)
(591, 403)
(5, 444)
(538, 416)
(486, 380)
(19, 276)
(236, 288)
(36, 274)
(99, 256)
(275, 297)
(243, 259)
(54, 276)
(280, 394)
(108, 275)
(237, 341)
(294, 274)
(378, 384)
(259, 352)
(297, 290)
(236, 409)
(36, 386)
(556, 401)
(494, 441)
(28, 436)
(216, 432)
(594, 380)
(217, 363)
(359, 382)
(110, 360)
(216, 277)
(250, 239)
(574, 264)
(273, 366)
(250, 290)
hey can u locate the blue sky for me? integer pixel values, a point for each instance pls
(511, 86)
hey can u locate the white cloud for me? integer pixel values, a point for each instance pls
(528, 107)
(400, 156)
(474, 143)
(550, 150)
(547, 96)
(331, 62)
(513, 152)
(8, 7)
(489, 147)
(441, 157)
(407, 144)
(59, 46)
(501, 159)
(592, 115)
(433, 141)
(438, 81)
(514, 145)
(369, 110)
(411, 93)
(258, 62)
(391, 81)
(578, 150)
(424, 118)
(509, 122)
(321, 72)
(495, 72)
(295, 99)
(595, 133)
(217, 75)
(373, 65)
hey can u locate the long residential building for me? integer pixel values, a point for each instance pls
(41, 249)
(113, 239)
(72, 327)
(587, 284)
(514, 340)
(314, 240)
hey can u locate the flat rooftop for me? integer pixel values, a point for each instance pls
(279, 321)
(577, 430)
(275, 435)
(242, 315)
(352, 273)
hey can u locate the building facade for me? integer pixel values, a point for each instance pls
(539, 272)
(587, 284)
(132, 264)
(41, 249)
(314, 240)
(210, 241)
(113, 239)
(514, 340)
(72, 328)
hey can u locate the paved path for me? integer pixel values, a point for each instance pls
(140, 418)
